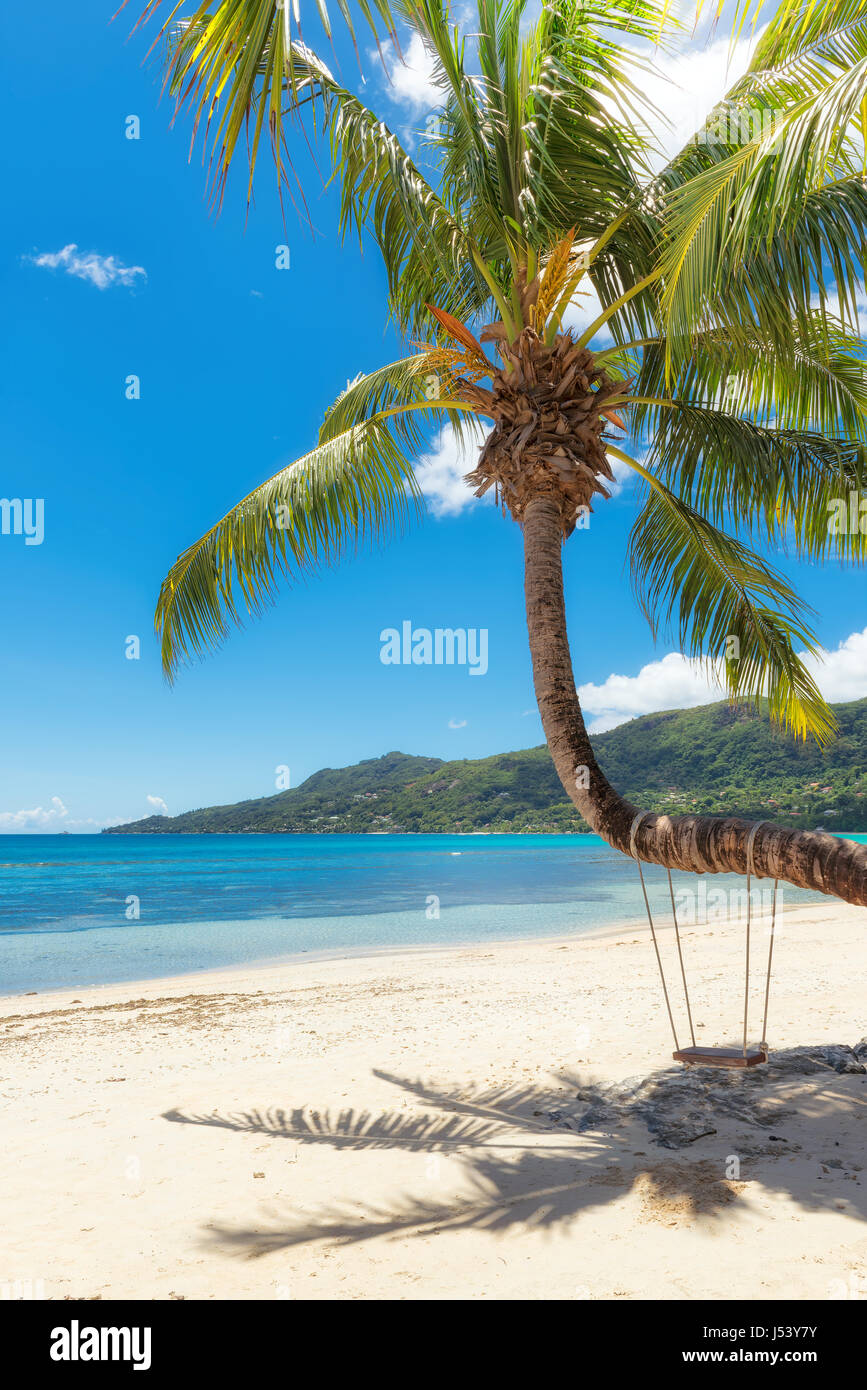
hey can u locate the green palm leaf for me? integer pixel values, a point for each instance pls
(745, 192)
(415, 381)
(784, 485)
(818, 383)
(231, 63)
(357, 484)
(727, 607)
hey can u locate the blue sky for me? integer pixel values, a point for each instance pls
(237, 361)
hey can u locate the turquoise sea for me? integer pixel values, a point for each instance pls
(77, 910)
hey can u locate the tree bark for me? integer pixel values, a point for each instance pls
(700, 844)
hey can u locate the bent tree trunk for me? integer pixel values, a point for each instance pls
(700, 844)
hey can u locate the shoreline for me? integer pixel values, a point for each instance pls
(616, 931)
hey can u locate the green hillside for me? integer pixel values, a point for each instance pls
(714, 759)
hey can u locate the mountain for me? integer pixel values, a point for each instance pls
(715, 759)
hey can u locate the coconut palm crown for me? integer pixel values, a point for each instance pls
(722, 363)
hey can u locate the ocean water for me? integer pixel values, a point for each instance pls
(78, 910)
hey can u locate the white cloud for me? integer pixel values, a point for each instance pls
(833, 307)
(583, 310)
(411, 85)
(40, 818)
(624, 475)
(159, 805)
(45, 820)
(679, 682)
(440, 474)
(686, 86)
(843, 673)
(675, 682)
(457, 723)
(101, 271)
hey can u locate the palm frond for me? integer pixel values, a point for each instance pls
(749, 190)
(425, 380)
(356, 485)
(727, 606)
(797, 28)
(784, 485)
(231, 62)
(818, 383)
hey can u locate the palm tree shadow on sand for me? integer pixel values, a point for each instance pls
(541, 1156)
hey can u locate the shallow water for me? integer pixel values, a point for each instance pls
(68, 904)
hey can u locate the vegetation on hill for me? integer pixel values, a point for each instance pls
(716, 759)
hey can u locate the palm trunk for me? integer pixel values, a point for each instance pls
(700, 844)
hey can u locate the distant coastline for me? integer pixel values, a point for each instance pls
(712, 760)
(469, 834)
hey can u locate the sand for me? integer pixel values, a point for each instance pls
(407, 1126)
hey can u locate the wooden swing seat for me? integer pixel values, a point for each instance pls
(720, 1057)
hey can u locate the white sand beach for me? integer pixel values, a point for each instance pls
(408, 1126)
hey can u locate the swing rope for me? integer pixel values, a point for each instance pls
(635, 824)
(751, 873)
(680, 956)
(764, 1042)
(750, 843)
(750, 869)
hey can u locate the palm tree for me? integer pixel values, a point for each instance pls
(725, 345)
